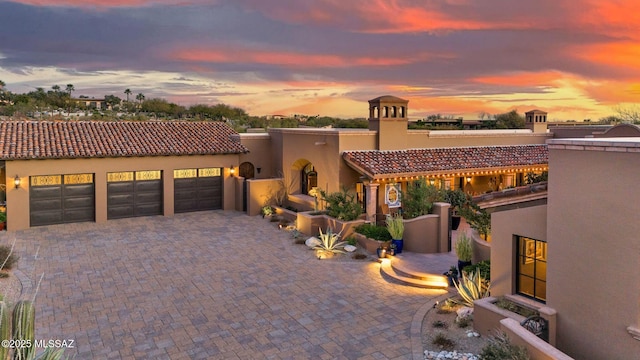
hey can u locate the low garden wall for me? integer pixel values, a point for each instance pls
(487, 316)
(310, 224)
(421, 234)
(260, 192)
(536, 347)
(481, 248)
(370, 245)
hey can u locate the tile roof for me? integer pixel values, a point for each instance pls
(379, 164)
(84, 139)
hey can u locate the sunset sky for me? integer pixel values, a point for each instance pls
(573, 59)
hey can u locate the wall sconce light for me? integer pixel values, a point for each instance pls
(432, 181)
(259, 169)
(16, 181)
(232, 170)
(468, 179)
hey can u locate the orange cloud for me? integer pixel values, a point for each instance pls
(290, 59)
(616, 17)
(617, 54)
(614, 92)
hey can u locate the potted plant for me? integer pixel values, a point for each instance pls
(3, 220)
(452, 275)
(395, 226)
(464, 251)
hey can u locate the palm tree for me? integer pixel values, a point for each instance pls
(69, 89)
(56, 88)
(127, 92)
(140, 97)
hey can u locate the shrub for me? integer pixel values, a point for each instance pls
(267, 210)
(500, 348)
(7, 257)
(472, 287)
(483, 266)
(379, 233)
(457, 198)
(478, 219)
(439, 324)
(351, 240)
(342, 205)
(443, 342)
(463, 322)
(419, 197)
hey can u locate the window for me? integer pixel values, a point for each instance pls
(531, 274)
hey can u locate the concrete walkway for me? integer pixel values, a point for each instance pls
(211, 285)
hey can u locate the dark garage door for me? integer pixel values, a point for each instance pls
(197, 189)
(61, 199)
(134, 193)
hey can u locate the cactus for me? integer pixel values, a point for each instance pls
(5, 329)
(24, 314)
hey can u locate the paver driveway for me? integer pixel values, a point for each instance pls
(210, 285)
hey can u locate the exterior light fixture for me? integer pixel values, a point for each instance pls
(432, 181)
(16, 181)
(232, 170)
(259, 169)
(468, 179)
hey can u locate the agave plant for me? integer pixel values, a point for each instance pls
(329, 243)
(472, 287)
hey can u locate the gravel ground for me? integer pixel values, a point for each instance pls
(10, 288)
(439, 321)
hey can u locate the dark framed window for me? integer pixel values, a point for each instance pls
(531, 269)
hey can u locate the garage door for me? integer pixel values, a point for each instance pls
(61, 199)
(197, 189)
(134, 193)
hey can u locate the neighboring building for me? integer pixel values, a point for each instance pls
(580, 253)
(94, 104)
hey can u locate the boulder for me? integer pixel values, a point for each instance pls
(312, 242)
(350, 248)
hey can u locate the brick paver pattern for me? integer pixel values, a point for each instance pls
(209, 285)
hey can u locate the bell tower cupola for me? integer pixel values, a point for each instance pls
(388, 116)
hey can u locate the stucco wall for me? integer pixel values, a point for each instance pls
(18, 199)
(527, 221)
(260, 154)
(594, 251)
(261, 192)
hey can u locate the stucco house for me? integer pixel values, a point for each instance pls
(578, 254)
(72, 171)
(367, 160)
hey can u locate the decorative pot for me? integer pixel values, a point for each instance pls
(462, 265)
(399, 244)
(382, 253)
(455, 222)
